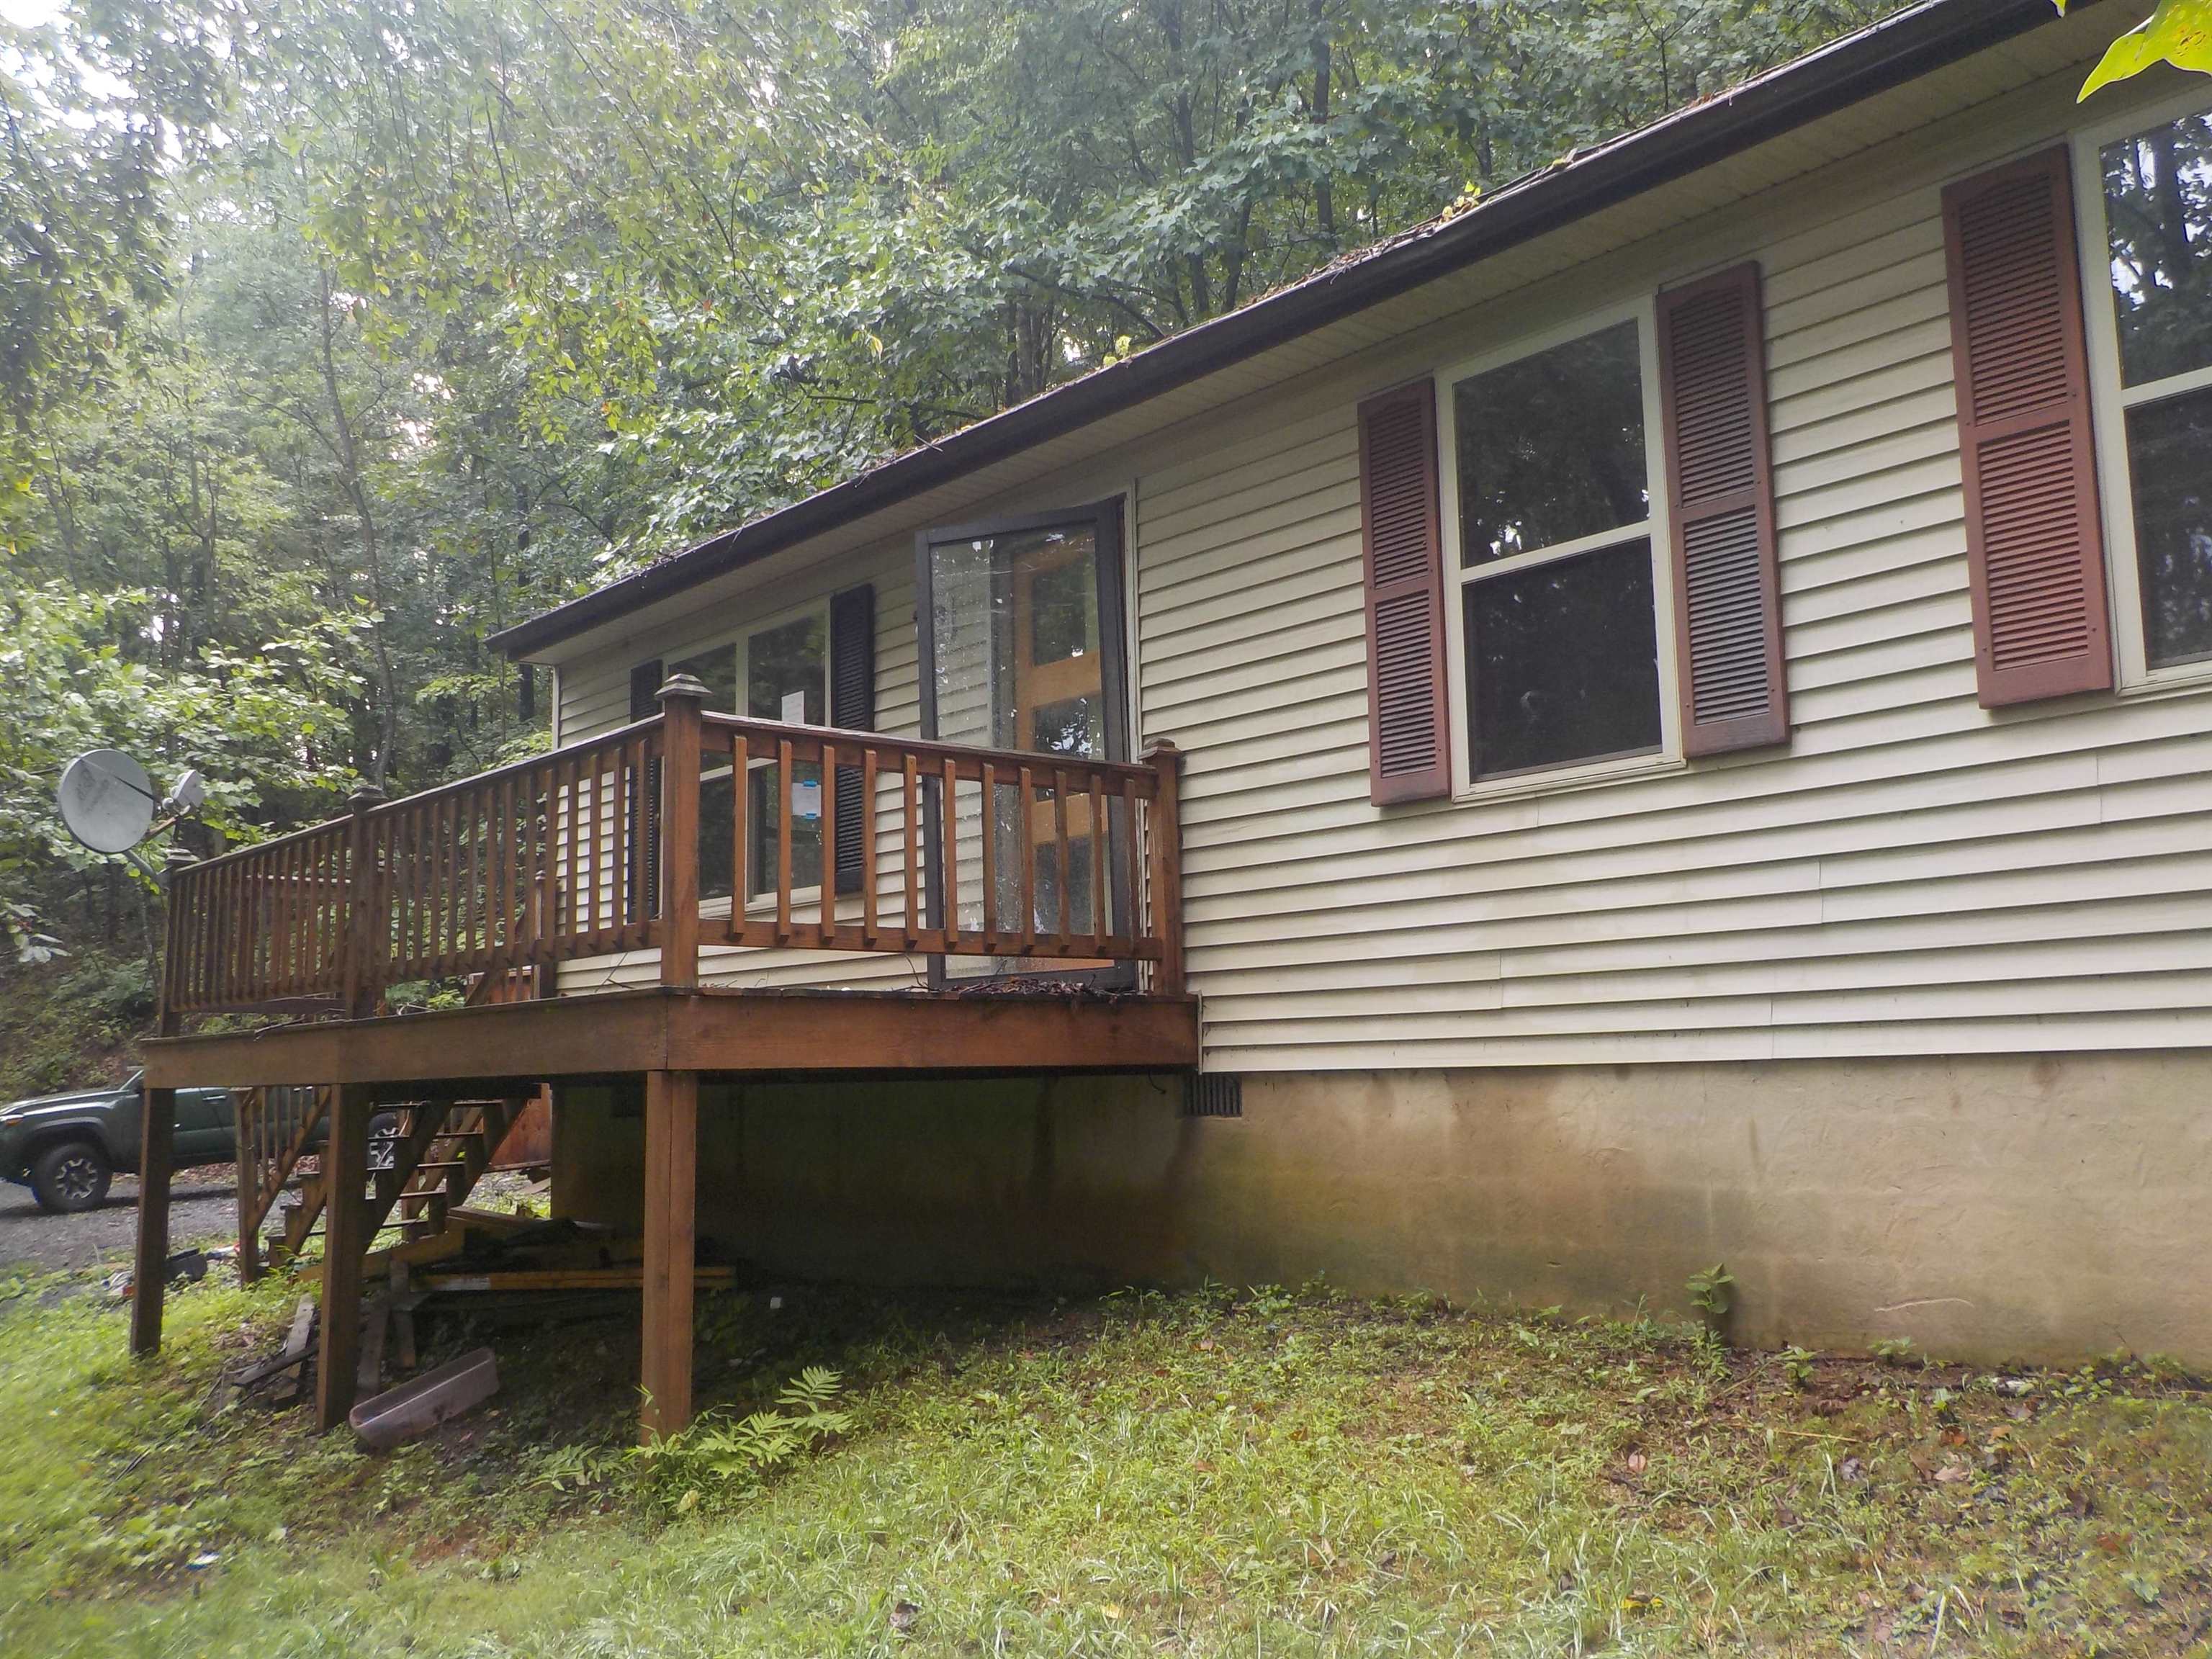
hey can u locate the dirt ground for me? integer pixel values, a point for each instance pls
(202, 1210)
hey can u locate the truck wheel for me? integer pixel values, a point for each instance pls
(69, 1176)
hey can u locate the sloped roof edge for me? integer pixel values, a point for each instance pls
(1885, 54)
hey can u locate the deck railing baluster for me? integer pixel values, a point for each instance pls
(740, 827)
(948, 851)
(1029, 894)
(868, 934)
(1101, 923)
(827, 886)
(988, 824)
(910, 828)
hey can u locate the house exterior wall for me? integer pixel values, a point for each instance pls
(1909, 1021)
(1910, 874)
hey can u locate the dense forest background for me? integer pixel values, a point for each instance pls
(337, 335)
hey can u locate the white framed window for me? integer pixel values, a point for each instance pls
(1559, 607)
(776, 670)
(2142, 186)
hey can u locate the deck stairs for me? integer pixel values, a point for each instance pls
(425, 1157)
(428, 1164)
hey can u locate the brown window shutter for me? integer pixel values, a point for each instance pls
(1720, 486)
(2035, 551)
(1407, 755)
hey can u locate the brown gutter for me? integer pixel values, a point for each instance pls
(1900, 48)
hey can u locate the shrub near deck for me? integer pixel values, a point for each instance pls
(1197, 1474)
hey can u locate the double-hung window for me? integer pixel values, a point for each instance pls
(1552, 538)
(2145, 191)
(778, 671)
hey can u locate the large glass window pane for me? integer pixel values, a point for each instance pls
(719, 669)
(1016, 636)
(784, 675)
(1551, 447)
(1562, 661)
(1017, 664)
(2158, 216)
(2170, 473)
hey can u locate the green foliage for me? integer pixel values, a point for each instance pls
(262, 725)
(2177, 32)
(1895, 1350)
(718, 1454)
(342, 337)
(94, 117)
(1712, 1292)
(1797, 1365)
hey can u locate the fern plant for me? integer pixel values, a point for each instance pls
(716, 1455)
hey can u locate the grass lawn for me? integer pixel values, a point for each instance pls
(1258, 1473)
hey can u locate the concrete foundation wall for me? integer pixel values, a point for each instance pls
(1988, 1208)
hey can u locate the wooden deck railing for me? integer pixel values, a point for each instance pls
(824, 840)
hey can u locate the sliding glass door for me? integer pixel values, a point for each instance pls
(1023, 647)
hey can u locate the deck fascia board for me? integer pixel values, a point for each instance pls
(722, 1032)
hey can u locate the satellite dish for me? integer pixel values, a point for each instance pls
(108, 800)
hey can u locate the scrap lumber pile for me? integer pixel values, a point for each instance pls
(481, 1254)
(500, 1267)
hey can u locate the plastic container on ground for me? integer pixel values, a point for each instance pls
(419, 1407)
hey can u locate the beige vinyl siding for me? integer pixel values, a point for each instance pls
(1912, 875)
(595, 699)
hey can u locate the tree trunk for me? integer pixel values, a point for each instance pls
(348, 451)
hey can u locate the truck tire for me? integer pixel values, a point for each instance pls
(70, 1175)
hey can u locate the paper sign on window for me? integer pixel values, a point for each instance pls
(806, 798)
(793, 711)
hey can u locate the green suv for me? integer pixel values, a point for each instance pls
(66, 1148)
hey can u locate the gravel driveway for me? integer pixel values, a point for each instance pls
(202, 1210)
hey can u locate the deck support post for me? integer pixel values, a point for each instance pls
(345, 1241)
(681, 700)
(368, 926)
(672, 1186)
(1166, 876)
(250, 1111)
(157, 1137)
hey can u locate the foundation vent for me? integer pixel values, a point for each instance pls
(1213, 1094)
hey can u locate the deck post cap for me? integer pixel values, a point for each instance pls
(365, 796)
(684, 685)
(179, 855)
(1162, 749)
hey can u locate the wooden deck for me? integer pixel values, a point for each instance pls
(1053, 863)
